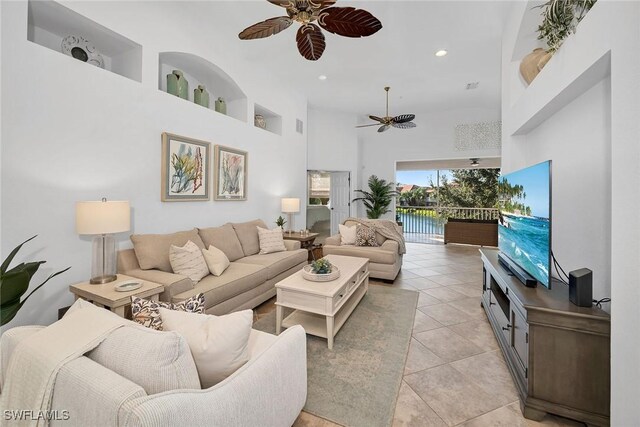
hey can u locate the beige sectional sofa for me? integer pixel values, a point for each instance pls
(246, 283)
(384, 261)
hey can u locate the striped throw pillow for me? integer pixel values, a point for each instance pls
(188, 261)
(270, 240)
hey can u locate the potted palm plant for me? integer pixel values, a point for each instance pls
(378, 198)
(15, 282)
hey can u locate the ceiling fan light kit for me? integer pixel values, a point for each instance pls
(403, 121)
(343, 21)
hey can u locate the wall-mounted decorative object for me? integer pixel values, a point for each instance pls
(221, 105)
(230, 173)
(533, 63)
(260, 121)
(201, 96)
(177, 85)
(478, 136)
(185, 169)
(82, 49)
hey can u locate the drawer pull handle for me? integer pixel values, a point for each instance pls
(492, 303)
(506, 328)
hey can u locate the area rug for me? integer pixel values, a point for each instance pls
(357, 383)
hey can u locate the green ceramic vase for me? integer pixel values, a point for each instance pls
(201, 96)
(221, 106)
(177, 85)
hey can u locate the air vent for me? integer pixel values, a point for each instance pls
(299, 126)
(472, 85)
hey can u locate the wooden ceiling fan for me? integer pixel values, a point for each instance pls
(344, 21)
(403, 121)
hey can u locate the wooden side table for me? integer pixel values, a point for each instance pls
(306, 241)
(106, 296)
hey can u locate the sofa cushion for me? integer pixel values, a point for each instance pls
(278, 262)
(379, 237)
(247, 233)
(347, 234)
(216, 260)
(218, 343)
(188, 261)
(376, 255)
(145, 312)
(157, 361)
(223, 238)
(365, 236)
(237, 279)
(152, 250)
(270, 240)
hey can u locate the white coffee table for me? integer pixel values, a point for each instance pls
(323, 307)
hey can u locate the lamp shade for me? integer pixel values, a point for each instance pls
(105, 217)
(290, 205)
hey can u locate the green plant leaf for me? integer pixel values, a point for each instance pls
(13, 285)
(42, 284)
(9, 311)
(5, 264)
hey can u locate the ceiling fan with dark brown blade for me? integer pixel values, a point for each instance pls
(344, 21)
(403, 121)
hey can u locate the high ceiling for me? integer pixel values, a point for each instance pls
(401, 55)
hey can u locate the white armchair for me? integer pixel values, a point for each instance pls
(269, 390)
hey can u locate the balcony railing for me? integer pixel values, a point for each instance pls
(431, 219)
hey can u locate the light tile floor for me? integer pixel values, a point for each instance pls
(455, 373)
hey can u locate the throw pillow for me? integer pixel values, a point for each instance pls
(270, 240)
(188, 261)
(219, 344)
(365, 236)
(216, 260)
(347, 234)
(156, 361)
(146, 312)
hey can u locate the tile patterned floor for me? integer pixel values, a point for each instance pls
(455, 374)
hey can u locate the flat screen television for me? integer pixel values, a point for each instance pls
(524, 228)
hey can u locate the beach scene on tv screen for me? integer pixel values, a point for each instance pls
(524, 232)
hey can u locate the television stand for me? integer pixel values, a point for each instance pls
(558, 353)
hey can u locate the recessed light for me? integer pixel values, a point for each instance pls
(322, 77)
(441, 52)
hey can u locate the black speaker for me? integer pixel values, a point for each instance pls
(581, 287)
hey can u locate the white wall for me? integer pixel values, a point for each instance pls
(593, 142)
(581, 181)
(432, 139)
(73, 132)
(333, 143)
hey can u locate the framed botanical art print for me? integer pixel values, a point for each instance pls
(230, 173)
(185, 169)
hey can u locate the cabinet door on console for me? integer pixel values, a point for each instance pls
(520, 339)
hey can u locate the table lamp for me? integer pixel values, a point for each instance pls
(290, 206)
(103, 219)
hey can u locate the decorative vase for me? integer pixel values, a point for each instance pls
(529, 65)
(177, 85)
(221, 106)
(259, 121)
(201, 96)
(543, 61)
